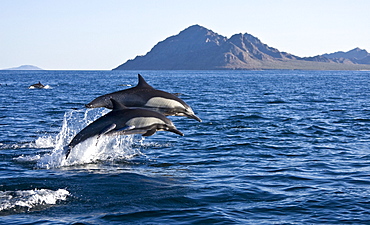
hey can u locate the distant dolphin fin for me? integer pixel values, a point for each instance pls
(142, 83)
(117, 105)
(149, 133)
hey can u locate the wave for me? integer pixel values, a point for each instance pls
(26, 200)
(241, 117)
(276, 101)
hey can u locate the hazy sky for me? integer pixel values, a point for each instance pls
(100, 35)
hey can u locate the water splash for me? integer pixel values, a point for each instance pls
(45, 87)
(92, 150)
(25, 200)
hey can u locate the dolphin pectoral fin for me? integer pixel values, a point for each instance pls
(117, 105)
(149, 133)
(107, 129)
(127, 128)
(67, 149)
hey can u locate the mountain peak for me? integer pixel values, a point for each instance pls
(195, 27)
(358, 50)
(200, 33)
(355, 54)
(198, 28)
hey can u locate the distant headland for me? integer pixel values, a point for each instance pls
(198, 48)
(25, 67)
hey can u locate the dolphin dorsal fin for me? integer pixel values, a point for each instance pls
(117, 105)
(142, 83)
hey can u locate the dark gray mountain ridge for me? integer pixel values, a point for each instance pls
(356, 55)
(198, 48)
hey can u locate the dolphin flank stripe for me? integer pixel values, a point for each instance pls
(164, 103)
(141, 122)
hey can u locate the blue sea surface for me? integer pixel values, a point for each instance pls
(274, 147)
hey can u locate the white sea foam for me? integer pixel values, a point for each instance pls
(89, 151)
(40, 142)
(28, 199)
(45, 87)
(45, 142)
(27, 158)
(17, 145)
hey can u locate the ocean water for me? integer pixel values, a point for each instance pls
(274, 147)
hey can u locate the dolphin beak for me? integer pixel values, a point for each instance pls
(195, 117)
(176, 132)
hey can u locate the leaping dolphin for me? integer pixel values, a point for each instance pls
(37, 85)
(124, 121)
(145, 96)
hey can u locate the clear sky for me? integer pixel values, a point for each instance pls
(100, 35)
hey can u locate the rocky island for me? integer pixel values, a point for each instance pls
(24, 67)
(198, 48)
